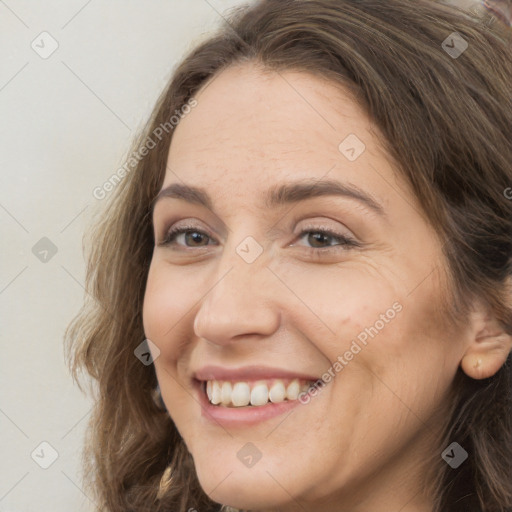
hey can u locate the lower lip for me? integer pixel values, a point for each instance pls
(241, 416)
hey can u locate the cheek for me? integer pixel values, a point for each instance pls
(393, 340)
(165, 308)
(168, 299)
(414, 358)
(339, 305)
(156, 311)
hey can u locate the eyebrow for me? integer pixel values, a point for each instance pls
(279, 195)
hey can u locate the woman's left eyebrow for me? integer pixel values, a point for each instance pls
(288, 193)
(278, 195)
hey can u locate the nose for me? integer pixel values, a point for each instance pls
(242, 301)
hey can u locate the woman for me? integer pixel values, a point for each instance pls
(314, 249)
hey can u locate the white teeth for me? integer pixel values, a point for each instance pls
(277, 392)
(225, 393)
(259, 394)
(216, 394)
(293, 390)
(241, 394)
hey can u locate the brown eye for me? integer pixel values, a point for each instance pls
(192, 237)
(320, 238)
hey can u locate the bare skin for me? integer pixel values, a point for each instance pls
(360, 442)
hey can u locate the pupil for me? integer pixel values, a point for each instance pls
(196, 237)
(317, 237)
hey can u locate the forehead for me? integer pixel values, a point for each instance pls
(253, 127)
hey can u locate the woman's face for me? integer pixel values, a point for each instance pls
(305, 257)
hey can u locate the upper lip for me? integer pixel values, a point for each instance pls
(220, 373)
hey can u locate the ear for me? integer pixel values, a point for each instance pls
(489, 345)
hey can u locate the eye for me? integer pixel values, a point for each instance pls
(190, 234)
(319, 238)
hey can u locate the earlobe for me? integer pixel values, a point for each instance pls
(487, 352)
(483, 366)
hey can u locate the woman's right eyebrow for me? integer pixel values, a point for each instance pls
(279, 195)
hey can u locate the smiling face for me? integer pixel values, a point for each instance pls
(280, 279)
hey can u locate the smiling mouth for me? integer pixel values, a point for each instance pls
(234, 394)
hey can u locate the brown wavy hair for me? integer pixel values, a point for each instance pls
(447, 123)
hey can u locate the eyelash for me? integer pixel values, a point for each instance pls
(343, 240)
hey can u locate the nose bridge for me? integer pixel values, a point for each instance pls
(240, 298)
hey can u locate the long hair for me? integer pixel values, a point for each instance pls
(446, 120)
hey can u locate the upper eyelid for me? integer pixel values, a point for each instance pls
(330, 232)
(159, 216)
(276, 229)
(273, 231)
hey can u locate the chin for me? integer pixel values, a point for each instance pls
(240, 487)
